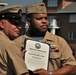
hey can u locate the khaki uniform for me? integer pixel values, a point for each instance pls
(11, 62)
(60, 52)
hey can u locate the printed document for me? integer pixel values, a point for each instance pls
(37, 55)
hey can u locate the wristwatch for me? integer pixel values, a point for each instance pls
(50, 73)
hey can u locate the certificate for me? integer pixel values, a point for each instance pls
(37, 55)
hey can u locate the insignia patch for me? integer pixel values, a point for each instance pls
(54, 48)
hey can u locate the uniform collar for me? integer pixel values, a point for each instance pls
(47, 37)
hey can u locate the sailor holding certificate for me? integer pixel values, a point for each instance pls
(60, 63)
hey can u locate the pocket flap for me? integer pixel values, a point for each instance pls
(54, 55)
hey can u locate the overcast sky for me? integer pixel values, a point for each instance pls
(20, 2)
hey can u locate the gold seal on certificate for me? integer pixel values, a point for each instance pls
(37, 55)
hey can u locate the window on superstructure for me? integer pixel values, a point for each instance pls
(71, 35)
(52, 3)
(72, 18)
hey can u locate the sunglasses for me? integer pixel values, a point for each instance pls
(14, 19)
(15, 22)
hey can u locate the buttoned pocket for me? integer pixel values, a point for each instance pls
(55, 60)
(54, 55)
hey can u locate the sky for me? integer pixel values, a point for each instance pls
(20, 2)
